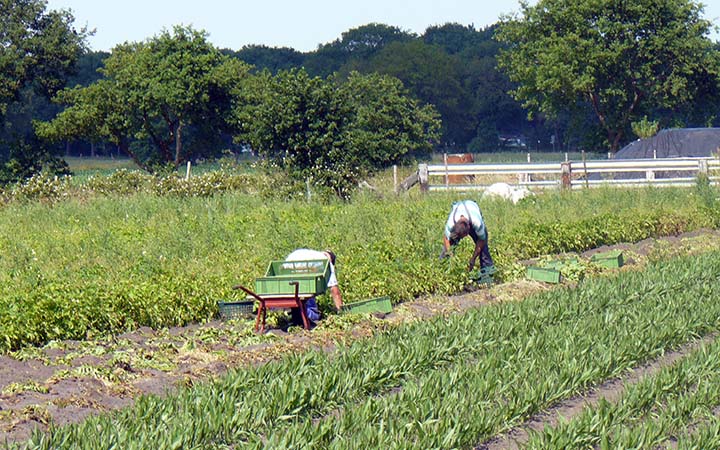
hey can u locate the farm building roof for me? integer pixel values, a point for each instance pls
(674, 143)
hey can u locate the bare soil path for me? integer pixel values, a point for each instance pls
(65, 382)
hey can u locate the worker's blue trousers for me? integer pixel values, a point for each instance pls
(485, 258)
(311, 311)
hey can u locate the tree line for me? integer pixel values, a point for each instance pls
(577, 74)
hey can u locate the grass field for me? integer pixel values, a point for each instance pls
(85, 166)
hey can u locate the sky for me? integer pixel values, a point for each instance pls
(298, 24)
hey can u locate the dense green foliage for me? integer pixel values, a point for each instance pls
(333, 133)
(154, 92)
(452, 67)
(262, 57)
(354, 45)
(329, 132)
(447, 383)
(618, 59)
(38, 50)
(106, 264)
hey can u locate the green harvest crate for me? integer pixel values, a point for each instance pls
(610, 260)
(558, 264)
(234, 310)
(312, 276)
(380, 304)
(545, 274)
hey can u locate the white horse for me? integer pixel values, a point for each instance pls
(507, 192)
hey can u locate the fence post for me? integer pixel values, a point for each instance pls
(447, 175)
(423, 176)
(703, 168)
(565, 175)
(395, 178)
(187, 172)
(524, 177)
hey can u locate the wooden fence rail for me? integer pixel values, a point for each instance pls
(570, 174)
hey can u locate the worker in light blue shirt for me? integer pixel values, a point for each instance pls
(466, 219)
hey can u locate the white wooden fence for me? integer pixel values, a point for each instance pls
(571, 174)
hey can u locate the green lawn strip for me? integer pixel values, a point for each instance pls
(590, 331)
(650, 413)
(460, 404)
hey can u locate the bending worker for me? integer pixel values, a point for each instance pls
(466, 219)
(311, 308)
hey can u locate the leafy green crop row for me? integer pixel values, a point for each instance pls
(104, 265)
(446, 383)
(651, 413)
(704, 435)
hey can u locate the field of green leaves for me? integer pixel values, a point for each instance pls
(88, 265)
(457, 381)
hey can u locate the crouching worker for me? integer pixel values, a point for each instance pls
(311, 308)
(466, 219)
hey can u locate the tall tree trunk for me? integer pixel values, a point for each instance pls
(615, 145)
(125, 148)
(162, 144)
(178, 143)
(614, 137)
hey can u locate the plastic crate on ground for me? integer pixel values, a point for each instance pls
(380, 304)
(611, 260)
(545, 274)
(236, 310)
(558, 264)
(312, 277)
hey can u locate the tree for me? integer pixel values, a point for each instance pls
(434, 77)
(87, 69)
(272, 58)
(153, 92)
(38, 50)
(332, 132)
(98, 112)
(355, 44)
(620, 57)
(455, 38)
(37, 47)
(645, 128)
